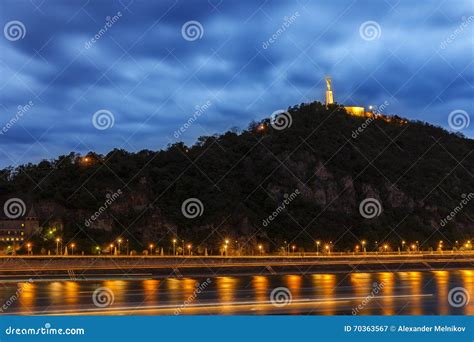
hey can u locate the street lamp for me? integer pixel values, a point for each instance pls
(29, 248)
(328, 249)
(151, 248)
(363, 242)
(385, 247)
(97, 248)
(174, 246)
(119, 242)
(189, 249)
(260, 248)
(72, 248)
(57, 245)
(111, 248)
(317, 247)
(293, 247)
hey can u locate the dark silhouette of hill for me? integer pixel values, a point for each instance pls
(313, 175)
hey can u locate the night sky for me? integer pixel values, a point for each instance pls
(152, 64)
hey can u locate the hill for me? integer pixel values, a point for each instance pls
(265, 185)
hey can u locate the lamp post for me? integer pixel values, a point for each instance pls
(317, 247)
(260, 248)
(29, 249)
(151, 248)
(363, 242)
(111, 249)
(72, 248)
(174, 247)
(189, 249)
(328, 249)
(293, 248)
(57, 245)
(119, 241)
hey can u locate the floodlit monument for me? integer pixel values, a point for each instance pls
(329, 97)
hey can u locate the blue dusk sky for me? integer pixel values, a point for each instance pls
(96, 75)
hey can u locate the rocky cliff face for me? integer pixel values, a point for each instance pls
(264, 185)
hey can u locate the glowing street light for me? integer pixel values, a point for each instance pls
(385, 247)
(72, 248)
(293, 248)
(29, 248)
(317, 247)
(174, 246)
(260, 248)
(189, 249)
(58, 240)
(119, 242)
(151, 248)
(363, 242)
(111, 248)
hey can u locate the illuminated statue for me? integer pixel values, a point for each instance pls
(329, 97)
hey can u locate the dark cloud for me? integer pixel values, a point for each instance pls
(254, 57)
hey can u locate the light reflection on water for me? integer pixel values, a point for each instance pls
(401, 293)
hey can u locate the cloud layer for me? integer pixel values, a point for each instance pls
(237, 61)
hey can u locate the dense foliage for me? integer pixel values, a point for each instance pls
(418, 172)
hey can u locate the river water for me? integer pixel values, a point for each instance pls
(381, 293)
